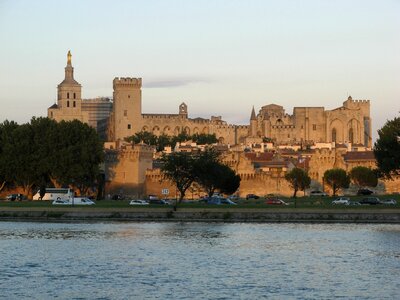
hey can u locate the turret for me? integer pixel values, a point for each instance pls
(253, 123)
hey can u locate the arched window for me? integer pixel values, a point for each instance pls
(351, 135)
(67, 103)
(74, 96)
(334, 135)
(74, 104)
(67, 95)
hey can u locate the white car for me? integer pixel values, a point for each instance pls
(342, 200)
(318, 194)
(61, 202)
(138, 202)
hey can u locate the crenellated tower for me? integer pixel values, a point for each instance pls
(127, 107)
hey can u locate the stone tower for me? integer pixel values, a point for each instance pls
(127, 108)
(69, 99)
(253, 124)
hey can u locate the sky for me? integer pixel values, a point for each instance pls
(219, 57)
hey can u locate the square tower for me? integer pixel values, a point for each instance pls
(127, 107)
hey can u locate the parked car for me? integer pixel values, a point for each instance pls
(117, 197)
(341, 200)
(82, 201)
(251, 196)
(138, 202)
(353, 203)
(233, 197)
(13, 197)
(389, 202)
(317, 193)
(275, 201)
(227, 201)
(364, 192)
(370, 201)
(158, 202)
(61, 202)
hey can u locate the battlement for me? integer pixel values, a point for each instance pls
(350, 103)
(127, 82)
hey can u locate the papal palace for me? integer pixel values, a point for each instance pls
(330, 138)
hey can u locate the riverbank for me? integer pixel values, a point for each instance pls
(67, 214)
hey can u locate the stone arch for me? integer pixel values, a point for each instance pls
(221, 140)
(195, 130)
(205, 130)
(334, 135)
(353, 131)
(156, 130)
(279, 122)
(177, 130)
(187, 130)
(338, 126)
(167, 130)
(145, 128)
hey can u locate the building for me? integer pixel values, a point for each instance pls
(349, 123)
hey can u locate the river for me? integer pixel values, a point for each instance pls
(199, 261)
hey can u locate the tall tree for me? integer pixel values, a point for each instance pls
(7, 175)
(336, 179)
(178, 167)
(298, 179)
(363, 176)
(78, 156)
(211, 174)
(387, 149)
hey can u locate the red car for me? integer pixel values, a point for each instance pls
(274, 201)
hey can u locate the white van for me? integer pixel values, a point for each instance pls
(55, 194)
(76, 201)
(82, 201)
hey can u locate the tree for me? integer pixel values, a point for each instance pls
(178, 167)
(6, 167)
(211, 174)
(298, 179)
(204, 139)
(363, 176)
(336, 179)
(387, 149)
(78, 156)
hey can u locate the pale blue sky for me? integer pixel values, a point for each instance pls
(220, 57)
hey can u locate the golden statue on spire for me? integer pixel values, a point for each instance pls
(69, 55)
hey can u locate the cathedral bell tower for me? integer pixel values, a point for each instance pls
(69, 90)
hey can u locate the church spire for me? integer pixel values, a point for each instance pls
(253, 114)
(69, 55)
(69, 71)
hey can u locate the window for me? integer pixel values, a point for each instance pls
(74, 96)
(125, 113)
(67, 103)
(129, 96)
(129, 126)
(67, 95)
(51, 114)
(74, 104)
(351, 135)
(334, 135)
(314, 126)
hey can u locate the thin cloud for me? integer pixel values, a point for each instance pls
(169, 83)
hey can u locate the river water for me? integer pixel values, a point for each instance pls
(199, 261)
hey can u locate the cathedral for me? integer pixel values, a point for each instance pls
(122, 116)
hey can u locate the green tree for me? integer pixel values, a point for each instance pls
(178, 167)
(387, 149)
(298, 179)
(363, 176)
(78, 156)
(143, 136)
(211, 174)
(204, 139)
(336, 179)
(229, 180)
(7, 175)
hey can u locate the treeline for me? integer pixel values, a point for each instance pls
(45, 153)
(166, 140)
(335, 178)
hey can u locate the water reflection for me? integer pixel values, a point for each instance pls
(199, 261)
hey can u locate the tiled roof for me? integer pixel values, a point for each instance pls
(359, 155)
